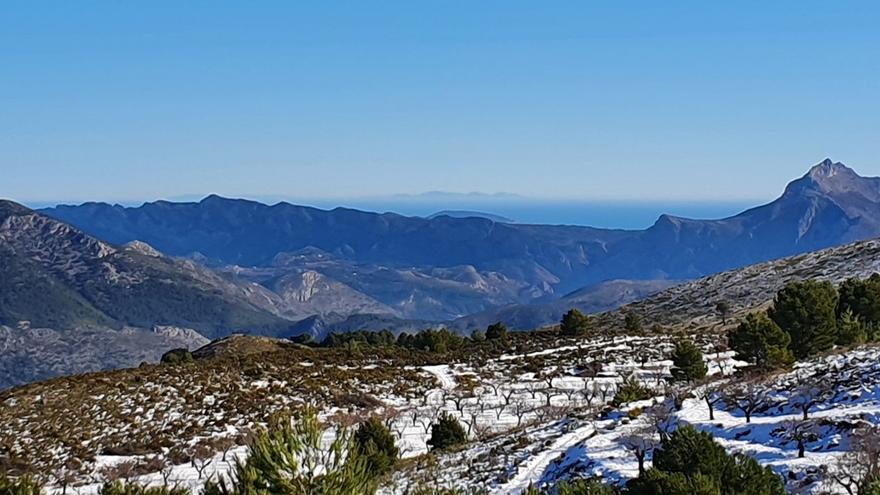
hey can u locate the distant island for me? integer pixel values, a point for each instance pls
(471, 214)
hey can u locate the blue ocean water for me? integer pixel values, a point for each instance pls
(607, 214)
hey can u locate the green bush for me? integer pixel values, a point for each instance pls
(691, 462)
(20, 486)
(376, 444)
(447, 432)
(687, 362)
(584, 487)
(632, 323)
(807, 312)
(575, 323)
(630, 390)
(862, 297)
(759, 340)
(175, 356)
(290, 459)
(850, 330)
(496, 331)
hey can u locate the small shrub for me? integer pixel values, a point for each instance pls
(447, 432)
(631, 390)
(176, 356)
(376, 444)
(21, 486)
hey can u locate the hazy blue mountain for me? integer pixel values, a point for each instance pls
(443, 268)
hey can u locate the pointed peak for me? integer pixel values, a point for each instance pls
(827, 168)
(213, 198)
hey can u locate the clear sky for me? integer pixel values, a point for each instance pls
(126, 101)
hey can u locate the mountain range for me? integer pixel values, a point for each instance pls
(100, 286)
(444, 267)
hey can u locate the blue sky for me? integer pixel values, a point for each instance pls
(128, 101)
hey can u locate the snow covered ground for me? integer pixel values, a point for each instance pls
(542, 417)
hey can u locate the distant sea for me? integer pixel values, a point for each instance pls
(603, 214)
(609, 214)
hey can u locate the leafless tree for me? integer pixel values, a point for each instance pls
(748, 398)
(413, 415)
(224, 445)
(640, 443)
(711, 395)
(166, 470)
(389, 416)
(800, 432)
(807, 394)
(460, 400)
(662, 418)
(122, 471)
(860, 465)
(605, 390)
(520, 409)
(494, 386)
(590, 392)
(202, 457)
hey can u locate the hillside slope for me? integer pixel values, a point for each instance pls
(74, 303)
(241, 380)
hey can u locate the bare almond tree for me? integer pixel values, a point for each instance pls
(807, 394)
(640, 443)
(859, 467)
(710, 393)
(202, 457)
(748, 398)
(801, 432)
(521, 408)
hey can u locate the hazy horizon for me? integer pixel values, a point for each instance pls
(609, 214)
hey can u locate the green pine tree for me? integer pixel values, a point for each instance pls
(759, 340)
(806, 311)
(447, 432)
(687, 362)
(575, 323)
(376, 444)
(850, 330)
(289, 458)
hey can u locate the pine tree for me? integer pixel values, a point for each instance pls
(723, 309)
(376, 444)
(759, 340)
(446, 432)
(497, 331)
(850, 330)
(289, 458)
(690, 461)
(862, 297)
(632, 323)
(575, 323)
(806, 311)
(687, 362)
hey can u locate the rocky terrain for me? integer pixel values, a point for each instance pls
(71, 303)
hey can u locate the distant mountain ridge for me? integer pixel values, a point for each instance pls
(71, 301)
(443, 268)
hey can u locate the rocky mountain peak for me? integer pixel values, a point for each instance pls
(831, 178)
(827, 169)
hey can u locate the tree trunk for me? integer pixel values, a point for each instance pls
(641, 458)
(801, 448)
(711, 411)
